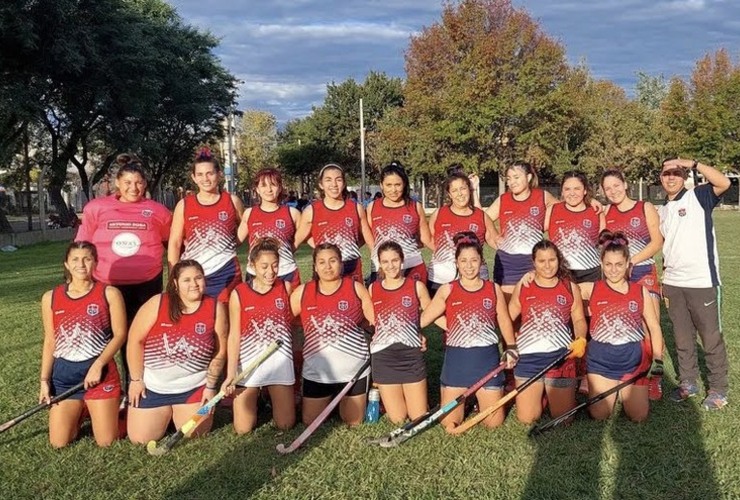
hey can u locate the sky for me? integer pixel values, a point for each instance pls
(285, 52)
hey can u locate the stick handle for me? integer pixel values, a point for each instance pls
(59, 397)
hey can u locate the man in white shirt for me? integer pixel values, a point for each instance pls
(691, 283)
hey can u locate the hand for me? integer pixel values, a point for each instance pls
(656, 369)
(207, 396)
(597, 206)
(44, 393)
(577, 348)
(511, 356)
(527, 279)
(228, 386)
(679, 163)
(136, 391)
(94, 374)
(423, 339)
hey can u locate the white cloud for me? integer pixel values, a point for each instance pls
(350, 30)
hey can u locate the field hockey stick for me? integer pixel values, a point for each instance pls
(297, 442)
(167, 443)
(539, 429)
(485, 413)
(442, 411)
(59, 397)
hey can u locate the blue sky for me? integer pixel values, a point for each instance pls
(286, 51)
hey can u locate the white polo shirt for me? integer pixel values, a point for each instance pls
(690, 257)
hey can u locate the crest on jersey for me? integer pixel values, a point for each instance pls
(633, 306)
(681, 212)
(93, 310)
(200, 328)
(348, 221)
(587, 223)
(280, 304)
(147, 213)
(534, 211)
(406, 301)
(407, 219)
(635, 222)
(473, 227)
(223, 215)
(343, 305)
(561, 300)
(280, 223)
(487, 303)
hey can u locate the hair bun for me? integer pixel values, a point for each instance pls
(204, 154)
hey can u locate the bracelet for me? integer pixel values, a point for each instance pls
(135, 380)
(512, 346)
(694, 165)
(43, 380)
(211, 388)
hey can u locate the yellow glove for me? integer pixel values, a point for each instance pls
(577, 348)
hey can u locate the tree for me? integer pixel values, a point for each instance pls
(257, 143)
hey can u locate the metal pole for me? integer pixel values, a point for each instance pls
(42, 199)
(230, 156)
(361, 194)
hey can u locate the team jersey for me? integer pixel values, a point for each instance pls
(176, 355)
(616, 318)
(522, 222)
(396, 316)
(334, 348)
(442, 267)
(633, 224)
(338, 226)
(545, 318)
(279, 225)
(399, 224)
(265, 318)
(471, 316)
(210, 232)
(576, 234)
(129, 238)
(81, 326)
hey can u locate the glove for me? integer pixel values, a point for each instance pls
(511, 356)
(656, 368)
(577, 348)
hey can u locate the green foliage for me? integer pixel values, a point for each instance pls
(257, 143)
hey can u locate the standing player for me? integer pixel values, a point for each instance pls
(472, 307)
(397, 347)
(84, 326)
(177, 350)
(338, 220)
(548, 307)
(259, 314)
(332, 308)
(205, 223)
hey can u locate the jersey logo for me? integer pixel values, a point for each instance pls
(93, 310)
(487, 303)
(407, 219)
(473, 227)
(223, 215)
(635, 222)
(348, 221)
(681, 212)
(561, 300)
(147, 213)
(125, 244)
(280, 304)
(633, 306)
(587, 223)
(534, 211)
(200, 328)
(109, 388)
(343, 305)
(280, 224)
(406, 301)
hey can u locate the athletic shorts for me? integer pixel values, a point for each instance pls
(353, 269)
(320, 390)
(158, 400)
(464, 366)
(219, 284)
(418, 273)
(134, 296)
(398, 364)
(66, 374)
(432, 288)
(509, 268)
(618, 362)
(562, 375)
(586, 275)
(647, 276)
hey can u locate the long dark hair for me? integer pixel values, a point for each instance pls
(542, 245)
(393, 247)
(78, 245)
(176, 305)
(395, 168)
(460, 176)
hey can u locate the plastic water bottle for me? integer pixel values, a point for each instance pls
(372, 412)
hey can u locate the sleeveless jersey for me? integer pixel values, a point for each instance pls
(545, 318)
(129, 238)
(82, 327)
(279, 225)
(633, 224)
(471, 316)
(334, 347)
(522, 222)
(210, 232)
(340, 226)
(442, 267)
(396, 316)
(176, 355)
(576, 234)
(399, 224)
(265, 318)
(616, 318)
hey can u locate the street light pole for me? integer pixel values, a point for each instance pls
(361, 194)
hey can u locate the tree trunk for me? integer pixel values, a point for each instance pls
(60, 206)
(5, 226)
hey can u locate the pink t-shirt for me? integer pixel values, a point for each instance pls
(128, 236)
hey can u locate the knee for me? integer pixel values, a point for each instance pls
(57, 443)
(638, 416)
(353, 422)
(599, 413)
(493, 423)
(285, 423)
(527, 418)
(104, 442)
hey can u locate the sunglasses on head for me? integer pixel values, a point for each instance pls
(674, 172)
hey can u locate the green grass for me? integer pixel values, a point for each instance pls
(681, 452)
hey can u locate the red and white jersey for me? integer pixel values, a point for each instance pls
(633, 224)
(545, 318)
(340, 227)
(265, 318)
(471, 316)
(176, 355)
(399, 224)
(279, 225)
(616, 318)
(576, 234)
(334, 347)
(210, 232)
(522, 222)
(442, 268)
(129, 238)
(82, 327)
(396, 315)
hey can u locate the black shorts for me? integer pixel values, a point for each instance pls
(586, 275)
(319, 390)
(398, 364)
(134, 296)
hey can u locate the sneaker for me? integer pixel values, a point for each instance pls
(714, 401)
(683, 392)
(655, 388)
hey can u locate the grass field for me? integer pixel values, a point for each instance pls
(681, 452)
